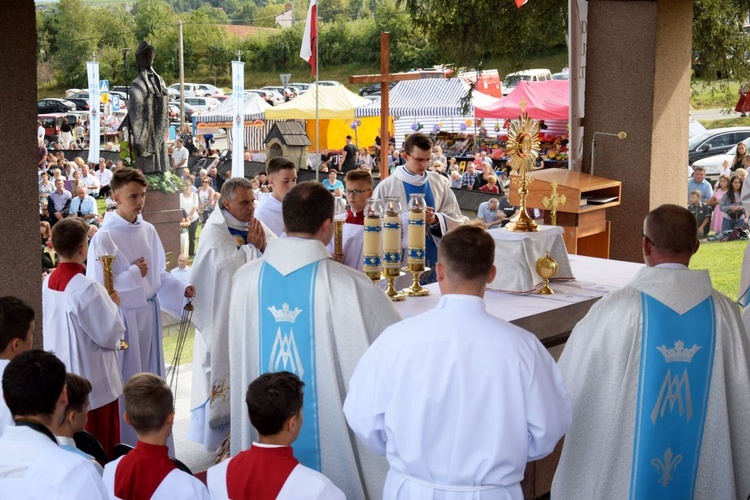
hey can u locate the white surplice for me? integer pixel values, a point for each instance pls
(141, 297)
(458, 401)
(446, 206)
(82, 327)
(302, 484)
(6, 418)
(269, 213)
(217, 260)
(744, 294)
(601, 366)
(350, 312)
(31, 462)
(352, 245)
(177, 485)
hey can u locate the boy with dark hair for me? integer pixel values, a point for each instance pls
(140, 275)
(282, 176)
(475, 365)
(701, 212)
(147, 471)
(74, 418)
(32, 465)
(83, 327)
(16, 336)
(268, 470)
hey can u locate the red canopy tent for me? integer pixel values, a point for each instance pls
(544, 101)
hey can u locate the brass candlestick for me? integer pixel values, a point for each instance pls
(107, 272)
(416, 289)
(391, 274)
(546, 267)
(523, 150)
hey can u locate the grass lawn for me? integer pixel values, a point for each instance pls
(724, 263)
(729, 122)
(717, 94)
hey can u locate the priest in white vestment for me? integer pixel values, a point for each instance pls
(230, 238)
(32, 465)
(443, 212)
(456, 399)
(140, 278)
(298, 310)
(658, 373)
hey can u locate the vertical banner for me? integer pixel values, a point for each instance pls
(578, 33)
(92, 68)
(238, 135)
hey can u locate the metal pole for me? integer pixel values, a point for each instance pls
(182, 78)
(317, 97)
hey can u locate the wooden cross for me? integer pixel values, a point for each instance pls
(384, 78)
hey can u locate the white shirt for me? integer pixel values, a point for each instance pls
(104, 176)
(179, 156)
(6, 418)
(181, 274)
(269, 213)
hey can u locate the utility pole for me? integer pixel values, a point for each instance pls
(182, 79)
(125, 66)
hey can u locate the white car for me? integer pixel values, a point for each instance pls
(197, 90)
(530, 75)
(202, 104)
(712, 164)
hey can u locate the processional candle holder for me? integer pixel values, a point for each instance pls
(546, 267)
(105, 252)
(392, 247)
(416, 237)
(339, 217)
(523, 149)
(373, 240)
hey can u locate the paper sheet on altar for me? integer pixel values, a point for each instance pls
(516, 254)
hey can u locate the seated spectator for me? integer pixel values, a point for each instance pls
(491, 186)
(44, 213)
(269, 469)
(147, 471)
(699, 182)
(75, 416)
(16, 336)
(182, 271)
(30, 459)
(701, 212)
(104, 176)
(90, 181)
(469, 178)
(60, 199)
(364, 160)
(331, 183)
(489, 213)
(45, 185)
(84, 206)
(456, 179)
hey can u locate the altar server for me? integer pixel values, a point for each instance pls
(32, 465)
(147, 472)
(231, 237)
(358, 190)
(16, 336)
(82, 326)
(443, 212)
(268, 470)
(282, 176)
(658, 374)
(140, 278)
(457, 409)
(298, 310)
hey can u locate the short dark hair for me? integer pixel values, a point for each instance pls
(272, 399)
(148, 402)
(418, 140)
(452, 253)
(279, 163)
(79, 389)
(68, 235)
(231, 185)
(33, 382)
(306, 207)
(125, 175)
(15, 319)
(672, 228)
(358, 175)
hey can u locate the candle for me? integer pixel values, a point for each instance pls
(372, 248)
(392, 234)
(416, 232)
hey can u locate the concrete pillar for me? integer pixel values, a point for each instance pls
(638, 81)
(20, 252)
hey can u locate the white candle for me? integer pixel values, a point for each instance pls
(416, 236)
(392, 238)
(373, 244)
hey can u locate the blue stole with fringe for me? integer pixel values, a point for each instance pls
(430, 246)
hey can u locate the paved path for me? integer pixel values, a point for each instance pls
(713, 114)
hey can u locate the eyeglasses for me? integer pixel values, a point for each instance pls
(651, 242)
(357, 192)
(419, 160)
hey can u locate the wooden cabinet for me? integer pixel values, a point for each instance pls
(584, 215)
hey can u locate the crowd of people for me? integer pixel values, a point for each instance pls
(718, 210)
(453, 401)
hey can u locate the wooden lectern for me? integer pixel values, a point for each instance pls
(583, 217)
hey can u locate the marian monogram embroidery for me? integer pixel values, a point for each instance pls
(284, 353)
(675, 391)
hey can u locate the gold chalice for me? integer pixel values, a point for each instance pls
(546, 267)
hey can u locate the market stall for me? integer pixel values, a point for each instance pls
(256, 128)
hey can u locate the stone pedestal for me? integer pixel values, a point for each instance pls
(163, 211)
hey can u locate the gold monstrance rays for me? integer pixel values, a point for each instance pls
(523, 149)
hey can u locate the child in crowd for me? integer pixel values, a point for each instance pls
(147, 471)
(701, 212)
(358, 190)
(83, 327)
(75, 416)
(268, 470)
(282, 176)
(16, 336)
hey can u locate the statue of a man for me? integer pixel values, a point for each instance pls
(148, 111)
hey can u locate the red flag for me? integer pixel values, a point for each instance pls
(309, 38)
(520, 3)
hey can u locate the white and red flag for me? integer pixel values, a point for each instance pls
(308, 51)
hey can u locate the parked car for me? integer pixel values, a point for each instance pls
(266, 95)
(52, 105)
(564, 75)
(277, 97)
(530, 75)
(715, 141)
(198, 89)
(188, 111)
(50, 122)
(81, 104)
(371, 89)
(301, 87)
(329, 83)
(202, 104)
(287, 93)
(712, 164)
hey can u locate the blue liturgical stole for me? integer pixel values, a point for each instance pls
(239, 236)
(744, 299)
(677, 353)
(287, 343)
(430, 246)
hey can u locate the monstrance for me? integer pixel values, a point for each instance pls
(523, 149)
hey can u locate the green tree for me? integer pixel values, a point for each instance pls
(333, 10)
(720, 45)
(150, 16)
(266, 16)
(76, 41)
